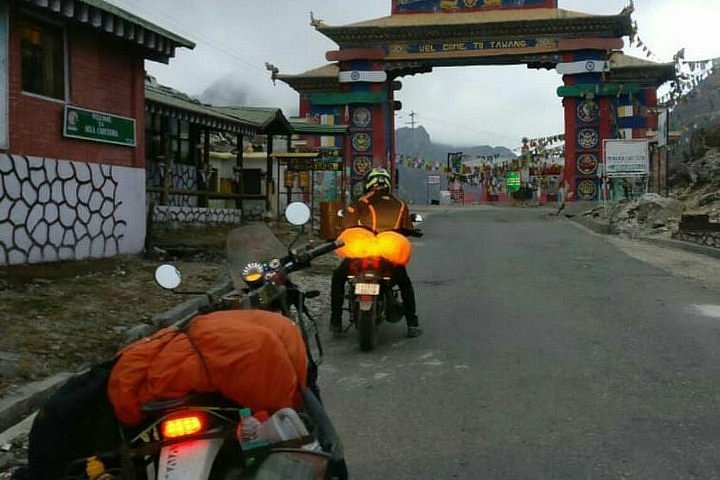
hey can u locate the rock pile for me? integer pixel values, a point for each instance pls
(647, 215)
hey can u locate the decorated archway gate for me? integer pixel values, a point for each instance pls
(606, 95)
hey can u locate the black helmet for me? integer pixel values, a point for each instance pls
(377, 178)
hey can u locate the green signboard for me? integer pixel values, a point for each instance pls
(98, 126)
(513, 181)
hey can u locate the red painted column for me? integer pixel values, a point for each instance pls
(570, 140)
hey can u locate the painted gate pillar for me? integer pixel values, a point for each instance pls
(370, 119)
(363, 99)
(611, 102)
(589, 118)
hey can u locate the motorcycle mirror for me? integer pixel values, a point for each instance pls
(168, 277)
(297, 213)
(416, 218)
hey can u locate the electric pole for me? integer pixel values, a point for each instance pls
(412, 119)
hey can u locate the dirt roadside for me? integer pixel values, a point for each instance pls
(63, 317)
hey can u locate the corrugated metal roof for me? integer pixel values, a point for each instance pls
(159, 43)
(270, 120)
(178, 104)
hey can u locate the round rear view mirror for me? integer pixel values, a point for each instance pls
(168, 277)
(297, 213)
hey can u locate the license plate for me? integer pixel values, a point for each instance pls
(367, 289)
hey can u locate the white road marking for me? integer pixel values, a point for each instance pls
(707, 310)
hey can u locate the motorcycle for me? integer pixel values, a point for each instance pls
(206, 436)
(371, 295)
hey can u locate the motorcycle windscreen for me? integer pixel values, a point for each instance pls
(251, 243)
(362, 243)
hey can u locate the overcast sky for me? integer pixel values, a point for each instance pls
(461, 105)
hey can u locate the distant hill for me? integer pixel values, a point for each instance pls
(417, 143)
(700, 109)
(412, 184)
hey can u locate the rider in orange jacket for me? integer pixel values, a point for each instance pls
(380, 211)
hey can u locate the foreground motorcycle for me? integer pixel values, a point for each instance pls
(297, 445)
(372, 296)
(207, 436)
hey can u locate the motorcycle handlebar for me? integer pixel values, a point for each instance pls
(301, 258)
(324, 248)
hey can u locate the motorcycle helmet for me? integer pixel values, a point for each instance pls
(377, 178)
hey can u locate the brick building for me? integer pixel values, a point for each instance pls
(72, 113)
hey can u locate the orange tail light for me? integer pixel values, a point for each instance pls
(394, 247)
(183, 425)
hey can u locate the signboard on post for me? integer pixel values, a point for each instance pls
(313, 164)
(624, 158)
(98, 126)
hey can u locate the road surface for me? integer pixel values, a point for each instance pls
(548, 353)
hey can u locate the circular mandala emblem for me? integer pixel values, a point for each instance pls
(590, 66)
(361, 117)
(587, 163)
(587, 111)
(354, 75)
(588, 138)
(361, 142)
(361, 165)
(587, 190)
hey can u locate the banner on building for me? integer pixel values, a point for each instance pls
(626, 157)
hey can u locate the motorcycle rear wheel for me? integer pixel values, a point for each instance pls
(367, 327)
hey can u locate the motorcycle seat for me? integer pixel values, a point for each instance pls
(189, 400)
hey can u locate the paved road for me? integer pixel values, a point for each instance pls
(547, 354)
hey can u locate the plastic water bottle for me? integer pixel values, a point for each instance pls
(248, 430)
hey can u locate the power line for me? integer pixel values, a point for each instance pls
(473, 130)
(182, 29)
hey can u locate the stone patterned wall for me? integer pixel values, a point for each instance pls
(54, 210)
(196, 216)
(706, 239)
(184, 178)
